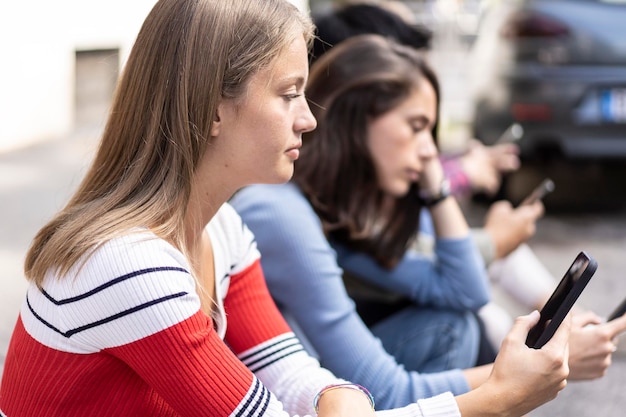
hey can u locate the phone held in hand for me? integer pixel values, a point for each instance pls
(512, 134)
(562, 300)
(543, 189)
(618, 312)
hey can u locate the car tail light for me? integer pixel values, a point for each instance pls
(531, 112)
(526, 24)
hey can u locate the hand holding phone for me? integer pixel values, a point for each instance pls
(562, 299)
(546, 187)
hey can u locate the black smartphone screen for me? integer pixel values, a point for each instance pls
(562, 299)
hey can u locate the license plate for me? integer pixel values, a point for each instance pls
(613, 105)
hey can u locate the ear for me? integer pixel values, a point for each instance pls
(217, 121)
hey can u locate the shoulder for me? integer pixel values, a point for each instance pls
(276, 206)
(128, 255)
(125, 289)
(283, 222)
(227, 219)
(279, 197)
(233, 243)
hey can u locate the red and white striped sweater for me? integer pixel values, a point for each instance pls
(124, 336)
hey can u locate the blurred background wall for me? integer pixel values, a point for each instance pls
(60, 62)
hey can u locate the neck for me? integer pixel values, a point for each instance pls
(388, 205)
(211, 188)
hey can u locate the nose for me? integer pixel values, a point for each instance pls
(427, 147)
(305, 122)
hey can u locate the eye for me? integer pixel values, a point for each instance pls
(418, 127)
(289, 97)
(419, 124)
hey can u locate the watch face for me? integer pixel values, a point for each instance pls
(429, 200)
(445, 188)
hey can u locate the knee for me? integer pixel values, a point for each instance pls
(464, 325)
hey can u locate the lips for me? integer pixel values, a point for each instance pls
(413, 175)
(294, 151)
(297, 146)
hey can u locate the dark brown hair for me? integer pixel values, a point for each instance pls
(358, 80)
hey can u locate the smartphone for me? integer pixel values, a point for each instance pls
(543, 189)
(562, 299)
(619, 311)
(512, 134)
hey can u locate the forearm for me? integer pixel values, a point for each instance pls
(344, 400)
(443, 405)
(522, 275)
(482, 403)
(448, 219)
(485, 244)
(478, 375)
(455, 278)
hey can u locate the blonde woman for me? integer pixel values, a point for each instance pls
(133, 281)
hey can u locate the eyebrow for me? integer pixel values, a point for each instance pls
(420, 118)
(296, 79)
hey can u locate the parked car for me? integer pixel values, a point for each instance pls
(558, 69)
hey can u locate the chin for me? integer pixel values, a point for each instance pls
(398, 190)
(282, 176)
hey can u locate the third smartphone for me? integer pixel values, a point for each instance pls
(546, 187)
(618, 312)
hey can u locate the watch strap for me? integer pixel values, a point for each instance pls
(430, 200)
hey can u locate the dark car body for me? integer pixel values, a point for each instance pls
(558, 68)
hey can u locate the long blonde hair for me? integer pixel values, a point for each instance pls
(188, 55)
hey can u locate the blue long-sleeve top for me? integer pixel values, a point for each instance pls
(305, 280)
(454, 278)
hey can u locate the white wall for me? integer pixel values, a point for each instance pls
(302, 4)
(38, 41)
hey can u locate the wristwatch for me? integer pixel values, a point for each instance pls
(428, 200)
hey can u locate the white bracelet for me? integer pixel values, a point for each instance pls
(331, 387)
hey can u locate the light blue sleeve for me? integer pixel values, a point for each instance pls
(455, 277)
(306, 282)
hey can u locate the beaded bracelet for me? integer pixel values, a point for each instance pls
(345, 385)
